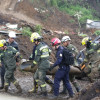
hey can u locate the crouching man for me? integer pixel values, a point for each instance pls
(8, 57)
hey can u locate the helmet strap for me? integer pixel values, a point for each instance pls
(36, 42)
(56, 46)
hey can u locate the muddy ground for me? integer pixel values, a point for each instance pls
(26, 82)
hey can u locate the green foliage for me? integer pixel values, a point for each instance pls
(38, 29)
(71, 21)
(82, 35)
(97, 32)
(26, 31)
(86, 13)
(66, 32)
(54, 3)
(72, 7)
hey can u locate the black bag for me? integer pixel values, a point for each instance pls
(68, 58)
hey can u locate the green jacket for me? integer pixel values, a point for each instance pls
(74, 51)
(7, 56)
(42, 56)
(93, 53)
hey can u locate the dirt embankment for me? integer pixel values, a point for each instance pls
(24, 12)
(50, 19)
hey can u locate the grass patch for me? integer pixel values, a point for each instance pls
(26, 31)
(97, 32)
(38, 29)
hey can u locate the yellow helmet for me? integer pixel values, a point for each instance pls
(85, 40)
(34, 35)
(2, 42)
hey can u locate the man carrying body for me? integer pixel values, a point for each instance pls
(9, 42)
(66, 43)
(92, 57)
(63, 71)
(8, 57)
(42, 59)
(47, 80)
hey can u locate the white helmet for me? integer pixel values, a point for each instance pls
(65, 38)
(12, 34)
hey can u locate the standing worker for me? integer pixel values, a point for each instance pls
(63, 71)
(42, 59)
(92, 57)
(47, 80)
(8, 56)
(66, 43)
(9, 42)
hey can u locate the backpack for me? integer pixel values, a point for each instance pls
(68, 58)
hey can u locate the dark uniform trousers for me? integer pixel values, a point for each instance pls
(62, 74)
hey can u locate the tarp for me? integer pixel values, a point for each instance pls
(12, 26)
(93, 24)
(7, 31)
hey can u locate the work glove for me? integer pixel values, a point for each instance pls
(33, 65)
(51, 67)
(85, 61)
(17, 54)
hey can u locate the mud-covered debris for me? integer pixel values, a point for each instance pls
(90, 92)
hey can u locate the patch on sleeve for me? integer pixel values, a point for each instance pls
(73, 49)
(60, 55)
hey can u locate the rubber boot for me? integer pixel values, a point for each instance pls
(51, 91)
(2, 83)
(5, 89)
(76, 86)
(50, 83)
(35, 89)
(43, 89)
(18, 87)
(78, 89)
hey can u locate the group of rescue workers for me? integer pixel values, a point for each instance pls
(10, 56)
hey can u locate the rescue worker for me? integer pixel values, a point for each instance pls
(42, 60)
(9, 42)
(8, 57)
(63, 71)
(66, 43)
(92, 57)
(47, 80)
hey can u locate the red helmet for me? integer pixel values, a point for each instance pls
(55, 41)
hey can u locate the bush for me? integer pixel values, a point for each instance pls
(72, 9)
(97, 32)
(38, 29)
(54, 3)
(26, 31)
